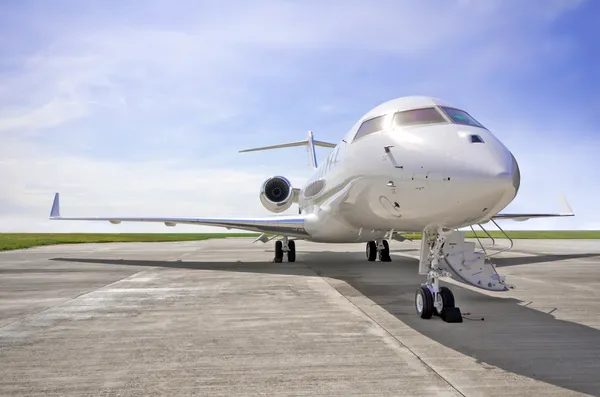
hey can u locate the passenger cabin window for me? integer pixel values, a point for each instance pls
(418, 117)
(461, 117)
(370, 126)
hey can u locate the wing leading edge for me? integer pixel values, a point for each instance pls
(523, 217)
(290, 225)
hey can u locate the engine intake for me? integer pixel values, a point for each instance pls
(276, 194)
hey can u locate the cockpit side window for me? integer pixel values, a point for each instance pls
(418, 117)
(460, 117)
(371, 126)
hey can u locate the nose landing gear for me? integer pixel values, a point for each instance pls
(430, 298)
(379, 248)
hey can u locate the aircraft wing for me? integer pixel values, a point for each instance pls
(290, 225)
(523, 217)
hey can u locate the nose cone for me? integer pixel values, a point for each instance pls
(489, 162)
(500, 169)
(492, 177)
(504, 171)
(515, 174)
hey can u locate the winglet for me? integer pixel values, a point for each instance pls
(566, 207)
(568, 211)
(55, 211)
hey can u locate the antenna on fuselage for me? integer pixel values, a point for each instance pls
(310, 143)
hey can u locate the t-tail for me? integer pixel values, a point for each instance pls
(310, 143)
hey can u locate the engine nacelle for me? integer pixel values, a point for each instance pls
(277, 194)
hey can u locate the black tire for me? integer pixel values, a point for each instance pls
(292, 251)
(371, 251)
(384, 254)
(447, 299)
(424, 295)
(278, 252)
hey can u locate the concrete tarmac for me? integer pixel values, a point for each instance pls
(217, 318)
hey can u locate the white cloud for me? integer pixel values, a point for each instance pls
(50, 114)
(141, 114)
(209, 65)
(92, 187)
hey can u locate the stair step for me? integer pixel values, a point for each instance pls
(470, 266)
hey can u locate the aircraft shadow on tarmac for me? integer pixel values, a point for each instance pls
(513, 337)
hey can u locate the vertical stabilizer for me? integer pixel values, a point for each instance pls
(310, 147)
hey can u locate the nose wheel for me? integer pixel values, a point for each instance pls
(445, 301)
(285, 246)
(380, 249)
(432, 299)
(428, 304)
(424, 303)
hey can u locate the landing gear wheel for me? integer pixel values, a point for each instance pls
(371, 251)
(292, 251)
(278, 252)
(384, 254)
(447, 298)
(424, 303)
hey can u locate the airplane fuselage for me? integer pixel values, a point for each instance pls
(408, 178)
(412, 164)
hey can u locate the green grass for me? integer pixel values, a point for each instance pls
(12, 241)
(529, 234)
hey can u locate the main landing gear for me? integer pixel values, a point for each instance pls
(285, 246)
(379, 248)
(430, 298)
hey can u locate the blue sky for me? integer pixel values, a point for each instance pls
(140, 107)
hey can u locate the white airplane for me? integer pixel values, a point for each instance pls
(412, 164)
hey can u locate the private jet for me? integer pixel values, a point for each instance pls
(411, 164)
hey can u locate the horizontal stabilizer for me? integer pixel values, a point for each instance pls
(281, 146)
(309, 143)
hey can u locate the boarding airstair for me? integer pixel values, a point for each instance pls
(466, 263)
(491, 250)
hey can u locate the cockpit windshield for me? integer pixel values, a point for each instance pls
(418, 117)
(460, 117)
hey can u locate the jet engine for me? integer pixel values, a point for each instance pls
(276, 194)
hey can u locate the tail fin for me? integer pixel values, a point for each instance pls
(310, 144)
